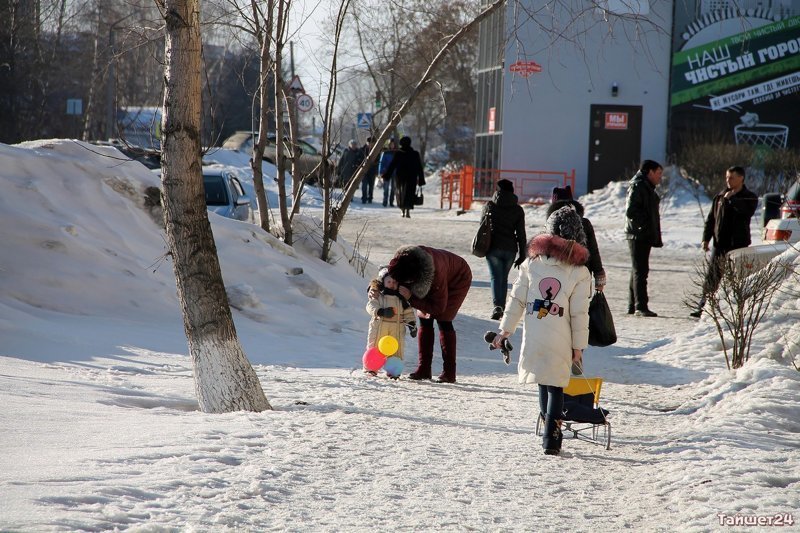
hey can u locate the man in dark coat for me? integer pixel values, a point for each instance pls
(507, 223)
(643, 231)
(348, 164)
(368, 181)
(408, 173)
(436, 283)
(728, 223)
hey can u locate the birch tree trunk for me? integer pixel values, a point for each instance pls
(263, 31)
(224, 379)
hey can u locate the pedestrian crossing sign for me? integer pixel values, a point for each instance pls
(365, 121)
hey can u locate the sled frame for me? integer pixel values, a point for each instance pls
(586, 431)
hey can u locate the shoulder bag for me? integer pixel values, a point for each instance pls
(483, 238)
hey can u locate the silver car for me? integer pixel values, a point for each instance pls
(308, 163)
(225, 195)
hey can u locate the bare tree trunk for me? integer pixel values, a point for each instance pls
(88, 117)
(263, 33)
(327, 169)
(224, 379)
(280, 99)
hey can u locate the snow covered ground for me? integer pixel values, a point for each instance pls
(100, 430)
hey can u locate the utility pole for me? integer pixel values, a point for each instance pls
(111, 85)
(293, 100)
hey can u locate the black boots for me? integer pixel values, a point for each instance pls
(551, 440)
(497, 313)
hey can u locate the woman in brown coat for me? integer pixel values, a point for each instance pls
(435, 282)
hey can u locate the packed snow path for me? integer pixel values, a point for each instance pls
(113, 442)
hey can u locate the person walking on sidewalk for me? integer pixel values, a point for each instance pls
(728, 224)
(368, 181)
(643, 231)
(348, 164)
(508, 241)
(551, 298)
(388, 181)
(562, 197)
(407, 167)
(435, 282)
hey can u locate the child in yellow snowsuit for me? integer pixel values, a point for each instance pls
(390, 312)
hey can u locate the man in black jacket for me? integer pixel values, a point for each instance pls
(728, 223)
(643, 231)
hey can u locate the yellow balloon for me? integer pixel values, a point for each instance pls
(388, 345)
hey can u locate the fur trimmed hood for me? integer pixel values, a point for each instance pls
(569, 252)
(413, 267)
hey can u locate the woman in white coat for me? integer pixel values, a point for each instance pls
(551, 297)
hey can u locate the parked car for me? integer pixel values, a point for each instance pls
(148, 157)
(225, 195)
(308, 164)
(782, 229)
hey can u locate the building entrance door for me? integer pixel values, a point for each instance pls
(615, 143)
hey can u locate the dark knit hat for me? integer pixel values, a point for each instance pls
(405, 268)
(505, 185)
(561, 194)
(405, 142)
(566, 223)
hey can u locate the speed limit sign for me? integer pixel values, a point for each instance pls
(304, 103)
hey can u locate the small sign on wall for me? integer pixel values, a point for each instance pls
(616, 121)
(492, 112)
(74, 106)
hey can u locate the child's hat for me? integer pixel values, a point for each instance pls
(566, 223)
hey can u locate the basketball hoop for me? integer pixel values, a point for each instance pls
(769, 135)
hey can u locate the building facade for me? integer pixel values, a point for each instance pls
(584, 94)
(569, 87)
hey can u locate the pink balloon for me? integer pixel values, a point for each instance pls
(373, 359)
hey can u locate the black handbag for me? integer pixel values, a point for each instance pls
(601, 324)
(419, 198)
(483, 238)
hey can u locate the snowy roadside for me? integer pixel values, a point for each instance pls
(100, 428)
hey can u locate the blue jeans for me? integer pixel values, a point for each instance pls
(500, 263)
(551, 401)
(388, 191)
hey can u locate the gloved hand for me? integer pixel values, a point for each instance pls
(519, 261)
(386, 312)
(412, 329)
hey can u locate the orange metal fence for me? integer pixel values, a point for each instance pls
(531, 186)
